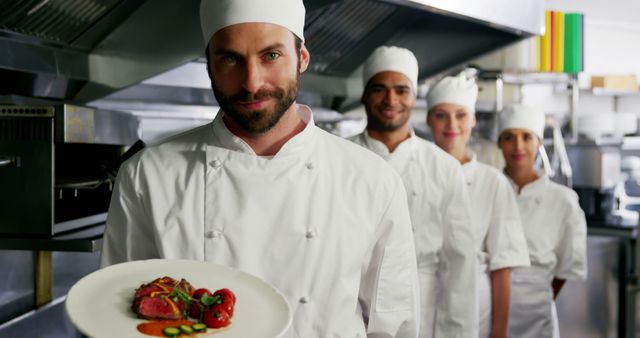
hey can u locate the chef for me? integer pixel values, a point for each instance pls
(438, 199)
(262, 189)
(500, 241)
(553, 223)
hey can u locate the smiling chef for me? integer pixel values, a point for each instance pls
(264, 190)
(437, 195)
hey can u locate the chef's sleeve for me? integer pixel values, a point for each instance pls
(128, 235)
(456, 312)
(505, 241)
(571, 250)
(389, 285)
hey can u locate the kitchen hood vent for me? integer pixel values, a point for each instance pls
(336, 30)
(59, 21)
(78, 51)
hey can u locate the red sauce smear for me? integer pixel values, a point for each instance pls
(154, 328)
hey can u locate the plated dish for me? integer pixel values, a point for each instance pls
(99, 305)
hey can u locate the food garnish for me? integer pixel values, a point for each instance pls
(180, 309)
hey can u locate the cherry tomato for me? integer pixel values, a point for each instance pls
(215, 319)
(199, 292)
(226, 306)
(226, 294)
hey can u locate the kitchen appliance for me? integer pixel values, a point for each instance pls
(56, 166)
(596, 173)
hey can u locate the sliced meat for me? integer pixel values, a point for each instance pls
(186, 287)
(158, 308)
(160, 286)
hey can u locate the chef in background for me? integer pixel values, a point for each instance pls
(553, 223)
(263, 190)
(500, 241)
(438, 199)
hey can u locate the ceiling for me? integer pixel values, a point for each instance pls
(82, 50)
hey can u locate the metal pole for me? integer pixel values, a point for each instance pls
(573, 109)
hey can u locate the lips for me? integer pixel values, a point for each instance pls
(517, 157)
(388, 113)
(450, 134)
(254, 105)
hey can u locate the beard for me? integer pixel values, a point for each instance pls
(258, 121)
(376, 123)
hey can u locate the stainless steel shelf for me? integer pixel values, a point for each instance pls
(87, 239)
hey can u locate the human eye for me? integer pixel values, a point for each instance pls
(271, 56)
(375, 89)
(228, 59)
(439, 115)
(402, 91)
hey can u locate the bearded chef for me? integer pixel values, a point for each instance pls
(553, 223)
(264, 190)
(500, 241)
(437, 195)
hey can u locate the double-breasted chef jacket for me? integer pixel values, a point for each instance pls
(444, 239)
(324, 221)
(556, 233)
(500, 240)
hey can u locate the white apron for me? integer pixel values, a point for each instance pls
(533, 313)
(484, 301)
(429, 295)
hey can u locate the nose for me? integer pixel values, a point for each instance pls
(390, 97)
(451, 122)
(253, 76)
(518, 142)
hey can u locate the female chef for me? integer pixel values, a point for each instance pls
(500, 241)
(553, 223)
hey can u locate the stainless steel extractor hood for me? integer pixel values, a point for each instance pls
(83, 50)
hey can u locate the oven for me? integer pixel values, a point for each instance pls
(57, 166)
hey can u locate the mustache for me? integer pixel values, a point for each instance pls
(259, 95)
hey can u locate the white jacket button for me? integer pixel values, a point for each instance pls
(212, 234)
(215, 163)
(309, 165)
(304, 300)
(311, 234)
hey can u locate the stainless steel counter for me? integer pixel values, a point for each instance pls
(603, 305)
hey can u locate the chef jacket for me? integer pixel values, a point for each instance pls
(314, 220)
(555, 229)
(444, 240)
(500, 241)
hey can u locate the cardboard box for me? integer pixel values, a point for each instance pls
(615, 82)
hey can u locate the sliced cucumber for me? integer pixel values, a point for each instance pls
(199, 327)
(171, 331)
(186, 329)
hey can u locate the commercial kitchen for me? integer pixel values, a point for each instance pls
(85, 84)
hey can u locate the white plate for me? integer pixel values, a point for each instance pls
(99, 304)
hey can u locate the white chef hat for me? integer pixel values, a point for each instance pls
(454, 89)
(522, 117)
(218, 14)
(390, 58)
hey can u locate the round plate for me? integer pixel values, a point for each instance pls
(99, 304)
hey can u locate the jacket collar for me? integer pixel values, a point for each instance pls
(222, 137)
(403, 149)
(534, 187)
